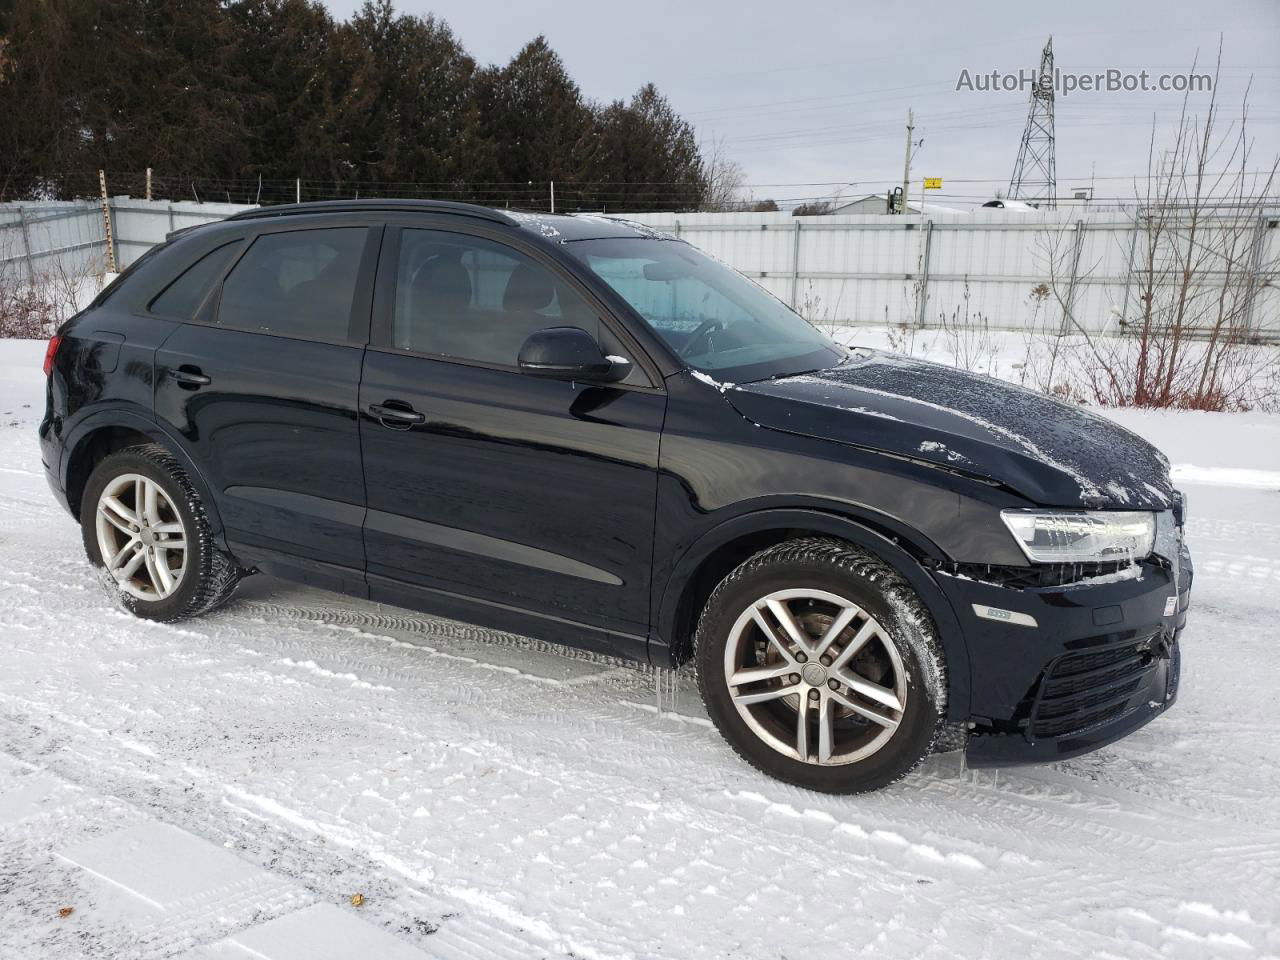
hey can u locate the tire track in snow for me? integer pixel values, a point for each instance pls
(518, 786)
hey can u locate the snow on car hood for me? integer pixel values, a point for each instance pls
(1054, 453)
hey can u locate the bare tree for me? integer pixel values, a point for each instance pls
(821, 315)
(725, 180)
(35, 299)
(967, 334)
(814, 208)
(1197, 275)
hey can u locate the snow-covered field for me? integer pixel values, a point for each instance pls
(222, 788)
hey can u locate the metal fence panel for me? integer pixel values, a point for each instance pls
(1050, 270)
(141, 224)
(70, 236)
(39, 238)
(1008, 270)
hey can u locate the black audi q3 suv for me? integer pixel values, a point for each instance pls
(574, 428)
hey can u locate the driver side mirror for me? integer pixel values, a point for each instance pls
(570, 353)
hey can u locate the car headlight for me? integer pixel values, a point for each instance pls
(1080, 536)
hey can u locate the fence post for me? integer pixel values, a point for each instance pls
(171, 216)
(795, 266)
(106, 222)
(26, 245)
(1068, 313)
(924, 273)
(1252, 287)
(1128, 270)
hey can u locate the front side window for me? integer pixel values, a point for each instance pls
(469, 298)
(712, 316)
(295, 284)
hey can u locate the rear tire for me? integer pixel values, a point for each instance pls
(145, 528)
(827, 626)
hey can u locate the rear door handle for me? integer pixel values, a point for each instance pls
(189, 377)
(401, 415)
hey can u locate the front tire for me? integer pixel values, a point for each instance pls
(144, 526)
(819, 666)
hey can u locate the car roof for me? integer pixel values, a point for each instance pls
(553, 227)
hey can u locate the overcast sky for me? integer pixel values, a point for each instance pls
(811, 96)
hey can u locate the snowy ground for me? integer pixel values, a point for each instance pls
(222, 788)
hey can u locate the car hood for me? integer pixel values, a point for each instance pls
(1051, 452)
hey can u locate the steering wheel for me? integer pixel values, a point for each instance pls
(703, 332)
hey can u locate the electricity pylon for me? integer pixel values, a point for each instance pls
(1035, 175)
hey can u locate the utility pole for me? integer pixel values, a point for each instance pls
(906, 164)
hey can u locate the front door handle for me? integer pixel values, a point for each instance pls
(400, 415)
(189, 376)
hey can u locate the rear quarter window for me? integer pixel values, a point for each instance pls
(183, 296)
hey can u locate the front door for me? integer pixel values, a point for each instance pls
(265, 394)
(510, 493)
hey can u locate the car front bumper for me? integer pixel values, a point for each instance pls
(1154, 690)
(1060, 671)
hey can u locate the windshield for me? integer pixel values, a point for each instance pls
(713, 317)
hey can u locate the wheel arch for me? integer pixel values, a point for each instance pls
(724, 547)
(99, 436)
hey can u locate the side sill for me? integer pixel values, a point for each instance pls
(509, 619)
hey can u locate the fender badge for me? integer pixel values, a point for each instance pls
(1004, 616)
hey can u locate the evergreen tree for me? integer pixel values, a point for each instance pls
(403, 115)
(122, 84)
(220, 92)
(286, 48)
(535, 119)
(643, 156)
(37, 135)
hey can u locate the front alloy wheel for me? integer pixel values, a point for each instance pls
(815, 676)
(820, 666)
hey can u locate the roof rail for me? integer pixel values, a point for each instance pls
(385, 206)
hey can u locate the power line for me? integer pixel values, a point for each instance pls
(524, 186)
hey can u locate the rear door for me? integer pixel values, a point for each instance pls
(264, 390)
(522, 494)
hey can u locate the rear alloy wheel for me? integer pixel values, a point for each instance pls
(145, 526)
(820, 666)
(141, 537)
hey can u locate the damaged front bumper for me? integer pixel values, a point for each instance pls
(1140, 683)
(1063, 670)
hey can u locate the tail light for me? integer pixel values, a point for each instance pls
(51, 353)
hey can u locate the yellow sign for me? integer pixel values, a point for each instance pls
(933, 183)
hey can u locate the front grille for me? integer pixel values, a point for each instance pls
(1025, 578)
(1082, 690)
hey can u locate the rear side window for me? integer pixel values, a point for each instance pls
(295, 284)
(183, 296)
